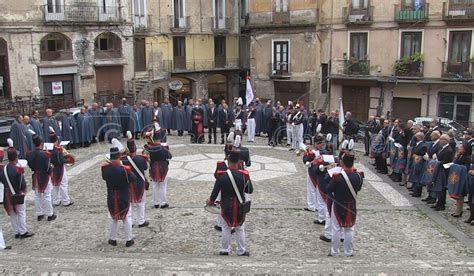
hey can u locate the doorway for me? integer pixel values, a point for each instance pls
(356, 99)
(140, 59)
(4, 70)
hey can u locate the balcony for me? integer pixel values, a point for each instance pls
(454, 12)
(363, 16)
(222, 25)
(280, 70)
(457, 71)
(356, 67)
(200, 65)
(179, 24)
(407, 68)
(273, 19)
(56, 55)
(410, 14)
(81, 14)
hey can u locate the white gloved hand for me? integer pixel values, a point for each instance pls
(308, 164)
(435, 157)
(426, 157)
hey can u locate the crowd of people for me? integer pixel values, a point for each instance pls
(422, 156)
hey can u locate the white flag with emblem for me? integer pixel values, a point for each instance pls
(249, 92)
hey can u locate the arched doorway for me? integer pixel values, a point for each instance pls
(158, 95)
(4, 70)
(217, 87)
(185, 92)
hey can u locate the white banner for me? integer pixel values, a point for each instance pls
(249, 92)
(57, 87)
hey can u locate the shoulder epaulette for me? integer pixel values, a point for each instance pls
(20, 169)
(244, 172)
(127, 168)
(220, 172)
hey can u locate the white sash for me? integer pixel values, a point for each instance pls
(349, 184)
(231, 177)
(136, 168)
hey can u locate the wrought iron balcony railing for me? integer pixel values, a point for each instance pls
(180, 24)
(199, 65)
(457, 71)
(80, 14)
(280, 69)
(409, 69)
(360, 16)
(222, 25)
(410, 14)
(357, 67)
(453, 12)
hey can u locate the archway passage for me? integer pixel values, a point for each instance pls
(4, 70)
(185, 92)
(217, 88)
(158, 95)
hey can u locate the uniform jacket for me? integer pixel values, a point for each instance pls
(159, 157)
(17, 179)
(58, 161)
(137, 187)
(118, 179)
(39, 163)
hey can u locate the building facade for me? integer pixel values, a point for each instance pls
(284, 50)
(65, 50)
(407, 58)
(186, 49)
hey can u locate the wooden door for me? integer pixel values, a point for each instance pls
(140, 60)
(406, 109)
(109, 80)
(356, 99)
(292, 91)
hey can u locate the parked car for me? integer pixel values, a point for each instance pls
(444, 124)
(5, 126)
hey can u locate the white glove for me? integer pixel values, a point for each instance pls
(426, 157)
(435, 157)
(308, 164)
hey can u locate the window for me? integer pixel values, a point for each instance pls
(281, 56)
(455, 106)
(178, 8)
(411, 44)
(179, 46)
(360, 4)
(54, 43)
(219, 9)
(412, 4)
(219, 43)
(59, 85)
(460, 46)
(108, 42)
(54, 6)
(281, 5)
(243, 9)
(139, 7)
(358, 46)
(324, 77)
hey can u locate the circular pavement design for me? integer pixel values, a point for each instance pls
(201, 167)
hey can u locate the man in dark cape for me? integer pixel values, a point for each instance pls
(35, 124)
(85, 127)
(112, 126)
(65, 127)
(126, 117)
(179, 118)
(95, 113)
(146, 115)
(17, 134)
(189, 119)
(167, 115)
(50, 121)
(267, 115)
(118, 179)
(137, 122)
(157, 113)
(259, 124)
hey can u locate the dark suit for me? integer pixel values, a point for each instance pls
(225, 120)
(445, 155)
(434, 149)
(212, 123)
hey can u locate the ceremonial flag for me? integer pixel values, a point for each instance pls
(341, 119)
(458, 181)
(249, 95)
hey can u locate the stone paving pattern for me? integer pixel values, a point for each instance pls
(280, 235)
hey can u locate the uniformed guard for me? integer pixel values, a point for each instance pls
(232, 184)
(13, 179)
(39, 162)
(118, 179)
(59, 177)
(139, 164)
(311, 186)
(159, 155)
(343, 189)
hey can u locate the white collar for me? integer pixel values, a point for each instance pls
(435, 142)
(417, 143)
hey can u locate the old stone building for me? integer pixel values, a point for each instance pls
(192, 45)
(407, 57)
(65, 50)
(285, 50)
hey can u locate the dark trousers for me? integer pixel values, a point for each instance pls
(442, 199)
(271, 139)
(224, 133)
(212, 132)
(382, 164)
(367, 143)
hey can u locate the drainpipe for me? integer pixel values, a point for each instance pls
(428, 101)
(330, 57)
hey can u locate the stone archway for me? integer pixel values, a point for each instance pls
(218, 88)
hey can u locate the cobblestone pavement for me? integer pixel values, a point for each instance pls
(394, 233)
